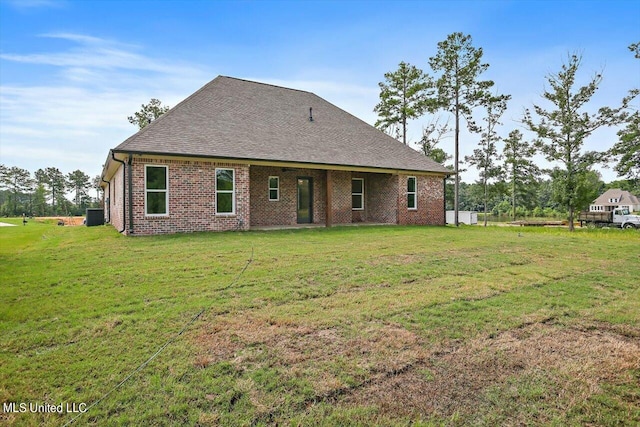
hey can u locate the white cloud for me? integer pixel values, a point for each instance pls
(72, 122)
(96, 53)
(36, 4)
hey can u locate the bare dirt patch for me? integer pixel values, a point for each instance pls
(63, 220)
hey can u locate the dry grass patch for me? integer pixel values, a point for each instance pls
(329, 359)
(535, 373)
(556, 366)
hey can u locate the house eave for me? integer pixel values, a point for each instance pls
(275, 163)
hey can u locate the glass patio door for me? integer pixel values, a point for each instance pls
(305, 200)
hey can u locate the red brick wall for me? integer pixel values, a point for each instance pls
(191, 198)
(284, 211)
(381, 198)
(385, 198)
(430, 201)
(341, 199)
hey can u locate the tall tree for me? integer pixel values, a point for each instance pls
(40, 200)
(56, 182)
(432, 134)
(148, 113)
(17, 181)
(41, 176)
(95, 183)
(626, 150)
(521, 172)
(78, 182)
(403, 97)
(3, 176)
(485, 157)
(459, 65)
(563, 129)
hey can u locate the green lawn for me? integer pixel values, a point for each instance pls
(345, 326)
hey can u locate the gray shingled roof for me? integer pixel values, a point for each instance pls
(240, 119)
(623, 197)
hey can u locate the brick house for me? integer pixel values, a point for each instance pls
(238, 154)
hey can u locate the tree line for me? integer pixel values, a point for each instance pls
(44, 193)
(510, 176)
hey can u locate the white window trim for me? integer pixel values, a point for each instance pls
(232, 192)
(277, 188)
(146, 190)
(415, 193)
(359, 194)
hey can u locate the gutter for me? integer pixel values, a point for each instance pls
(108, 207)
(124, 205)
(288, 163)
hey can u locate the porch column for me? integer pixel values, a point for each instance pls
(329, 210)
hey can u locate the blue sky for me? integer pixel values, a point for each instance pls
(72, 71)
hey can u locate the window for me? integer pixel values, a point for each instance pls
(225, 192)
(613, 200)
(357, 194)
(412, 195)
(274, 188)
(156, 185)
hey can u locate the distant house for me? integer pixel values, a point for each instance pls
(613, 199)
(237, 154)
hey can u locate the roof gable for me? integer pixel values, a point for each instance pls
(622, 197)
(240, 119)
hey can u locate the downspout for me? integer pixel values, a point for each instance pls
(444, 200)
(124, 205)
(107, 206)
(130, 194)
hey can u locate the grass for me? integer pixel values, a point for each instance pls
(345, 326)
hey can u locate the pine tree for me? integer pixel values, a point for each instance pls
(521, 172)
(458, 87)
(403, 97)
(148, 113)
(78, 182)
(486, 156)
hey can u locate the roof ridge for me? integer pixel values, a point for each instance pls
(265, 84)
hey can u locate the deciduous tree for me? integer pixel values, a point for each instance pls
(432, 134)
(626, 151)
(563, 128)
